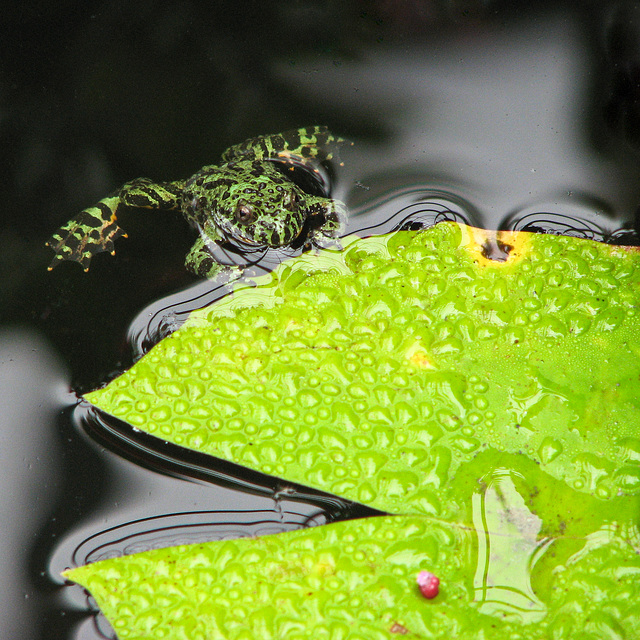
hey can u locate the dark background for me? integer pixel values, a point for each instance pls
(94, 94)
(507, 109)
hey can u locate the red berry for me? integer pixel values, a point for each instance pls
(429, 584)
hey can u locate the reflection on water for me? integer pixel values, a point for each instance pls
(486, 122)
(33, 389)
(410, 207)
(508, 549)
(194, 527)
(579, 219)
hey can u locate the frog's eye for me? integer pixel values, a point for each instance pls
(244, 213)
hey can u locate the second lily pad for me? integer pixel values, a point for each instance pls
(357, 580)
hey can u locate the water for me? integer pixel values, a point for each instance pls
(500, 118)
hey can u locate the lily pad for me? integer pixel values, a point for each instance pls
(357, 580)
(374, 373)
(412, 373)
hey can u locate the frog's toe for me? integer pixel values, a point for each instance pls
(335, 216)
(93, 231)
(322, 241)
(206, 266)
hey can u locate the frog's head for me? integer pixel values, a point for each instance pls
(262, 211)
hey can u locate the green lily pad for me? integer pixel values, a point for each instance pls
(376, 372)
(411, 373)
(356, 580)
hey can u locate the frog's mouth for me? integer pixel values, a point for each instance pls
(267, 233)
(274, 235)
(230, 232)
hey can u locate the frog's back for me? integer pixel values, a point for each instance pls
(219, 188)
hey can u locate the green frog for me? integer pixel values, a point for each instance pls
(247, 200)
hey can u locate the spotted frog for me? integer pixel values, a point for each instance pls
(247, 200)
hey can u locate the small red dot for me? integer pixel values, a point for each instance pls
(429, 584)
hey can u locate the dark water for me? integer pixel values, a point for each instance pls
(524, 118)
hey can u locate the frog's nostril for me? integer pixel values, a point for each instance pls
(290, 201)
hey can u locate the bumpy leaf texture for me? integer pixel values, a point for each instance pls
(356, 580)
(412, 373)
(375, 373)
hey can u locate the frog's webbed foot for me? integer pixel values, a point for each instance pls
(95, 229)
(202, 263)
(91, 231)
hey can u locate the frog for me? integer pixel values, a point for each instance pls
(248, 200)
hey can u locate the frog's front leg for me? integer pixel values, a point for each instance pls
(202, 263)
(334, 213)
(94, 229)
(146, 194)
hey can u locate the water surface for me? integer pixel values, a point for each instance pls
(500, 118)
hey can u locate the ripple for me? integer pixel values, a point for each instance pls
(412, 208)
(584, 218)
(189, 528)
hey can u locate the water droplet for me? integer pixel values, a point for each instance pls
(549, 450)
